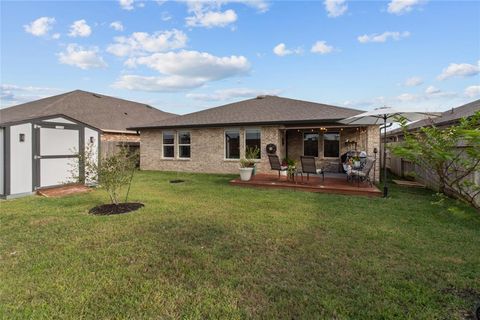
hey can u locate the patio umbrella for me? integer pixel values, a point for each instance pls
(383, 116)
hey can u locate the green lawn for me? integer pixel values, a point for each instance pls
(204, 249)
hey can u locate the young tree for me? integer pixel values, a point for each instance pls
(452, 153)
(113, 173)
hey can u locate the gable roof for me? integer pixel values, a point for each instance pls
(100, 111)
(446, 118)
(259, 110)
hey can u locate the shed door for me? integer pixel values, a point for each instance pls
(56, 156)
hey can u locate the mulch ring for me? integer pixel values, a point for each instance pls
(108, 209)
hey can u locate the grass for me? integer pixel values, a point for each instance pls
(204, 249)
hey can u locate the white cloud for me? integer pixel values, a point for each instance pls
(183, 70)
(40, 27)
(431, 90)
(403, 6)
(233, 93)
(211, 19)
(335, 8)
(77, 56)
(142, 42)
(126, 4)
(281, 50)
(11, 94)
(459, 70)
(117, 25)
(80, 28)
(413, 82)
(157, 84)
(472, 91)
(166, 16)
(407, 97)
(56, 36)
(375, 37)
(321, 47)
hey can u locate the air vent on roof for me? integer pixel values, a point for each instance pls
(96, 95)
(262, 96)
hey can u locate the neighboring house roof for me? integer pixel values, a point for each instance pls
(448, 117)
(259, 110)
(97, 110)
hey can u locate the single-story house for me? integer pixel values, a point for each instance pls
(214, 140)
(39, 139)
(112, 116)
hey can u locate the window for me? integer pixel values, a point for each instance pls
(252, 139)
(232, 144)
(184, 144)
(331, 145)
(168, 144)
(310, 144)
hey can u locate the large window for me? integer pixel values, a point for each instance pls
(310, 144)
(252, 139)
(168, 144)
(232, 144)
(331, 145)
(184, 144)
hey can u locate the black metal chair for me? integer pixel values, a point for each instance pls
(309, 167)
(364, 174)
(275, 164)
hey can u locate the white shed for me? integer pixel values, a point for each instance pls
(42, 152)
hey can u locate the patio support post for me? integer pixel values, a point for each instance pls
(385, 187)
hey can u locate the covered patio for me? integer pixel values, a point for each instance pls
(333, 183)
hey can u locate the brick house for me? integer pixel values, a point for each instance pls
(111, 116)
(214, 140)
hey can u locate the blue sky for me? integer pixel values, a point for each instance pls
(185, 56)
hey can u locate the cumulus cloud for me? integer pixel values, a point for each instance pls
(82, 58)
(383, 37)
(212, 19)
(321, 47)
(335, 8)
(281, 50)
(399, 7)
(431, 90)
(117, 25)
(459, 70)
(126, 4)
(472, 91)
(40, 27)
(413, 82)
(143, 42)
(182, 70)
(233, 93)
(80, 28)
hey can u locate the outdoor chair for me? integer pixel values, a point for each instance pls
(275, 164)
(364, 174)
(309, 167)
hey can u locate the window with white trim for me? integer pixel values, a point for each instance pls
(232, 144)
(184, 145)
(168, 144)
(253, 140)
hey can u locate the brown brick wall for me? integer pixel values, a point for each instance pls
(119, 137)
(207, 151)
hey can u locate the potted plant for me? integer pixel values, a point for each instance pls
(291, 167)
(355, 161)
(247, 164)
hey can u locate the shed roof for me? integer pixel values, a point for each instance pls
(259, 110)
(97, 110)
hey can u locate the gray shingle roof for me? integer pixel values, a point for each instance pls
(97, 110)
(260, 110)
(447, 117)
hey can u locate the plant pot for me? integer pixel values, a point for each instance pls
(356, 164)
(246, 174)
(254, 169)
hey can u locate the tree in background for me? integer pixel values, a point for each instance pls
(452, 153)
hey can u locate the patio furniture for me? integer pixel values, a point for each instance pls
(275, 164)
(309, 167)
(362, 174)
